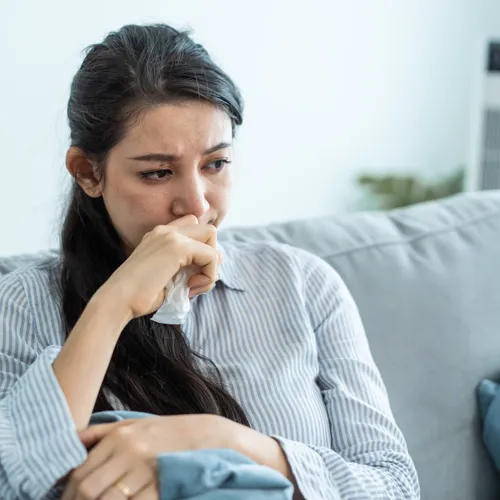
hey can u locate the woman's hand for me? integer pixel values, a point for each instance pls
(139, 283)
(125, 453)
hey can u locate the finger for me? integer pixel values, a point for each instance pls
(199, 291)
(187, 220)
(134, 481)
(96, 458)
(200, 242)
(151, 492)
(211, 269)
(104, 477)
(95, 433)
(68, 492)
(205, 257)
(199, 281)
(204, 233)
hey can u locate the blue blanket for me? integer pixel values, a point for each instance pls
(488, 394)
(210, 474)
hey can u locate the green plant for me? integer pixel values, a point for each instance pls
(394, 191)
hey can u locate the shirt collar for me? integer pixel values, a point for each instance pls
(231, 274)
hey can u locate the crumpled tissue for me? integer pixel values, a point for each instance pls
(176, 305)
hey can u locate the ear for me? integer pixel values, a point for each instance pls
(84, 172)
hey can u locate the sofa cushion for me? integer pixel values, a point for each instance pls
(427, 282)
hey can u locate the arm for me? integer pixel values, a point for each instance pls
(39, 443)
(368, 457)
(82, 363)
(47, 392)
(135, 289)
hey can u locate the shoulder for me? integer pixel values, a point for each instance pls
(41, 276)
(294, 275)
(279, 261)
(255, 250)
(258, 256)
(30, 301)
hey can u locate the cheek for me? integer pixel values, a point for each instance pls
(136, 210)
(219, 194)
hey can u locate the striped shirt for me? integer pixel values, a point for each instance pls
(285, 334)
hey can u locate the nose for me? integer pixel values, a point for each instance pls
(190, 197)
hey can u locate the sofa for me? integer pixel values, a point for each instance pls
(427, 283)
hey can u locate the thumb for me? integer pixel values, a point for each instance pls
(187, 220)
(95, 433)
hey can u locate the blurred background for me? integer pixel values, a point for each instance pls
(350, 105)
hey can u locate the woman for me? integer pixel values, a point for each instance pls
(273, 362)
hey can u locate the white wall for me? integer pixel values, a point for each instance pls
(331, 87)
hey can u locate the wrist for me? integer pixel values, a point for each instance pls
(263, 450)
(272, 455)
(107, 303)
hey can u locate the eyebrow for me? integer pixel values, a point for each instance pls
(165, 157)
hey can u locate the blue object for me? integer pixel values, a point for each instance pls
(218, 474)
(488, 394)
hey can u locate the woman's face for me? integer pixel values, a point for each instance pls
(173, 161)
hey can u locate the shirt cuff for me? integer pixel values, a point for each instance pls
(39, 439)
(309, 469)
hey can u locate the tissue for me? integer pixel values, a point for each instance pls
(176, 305)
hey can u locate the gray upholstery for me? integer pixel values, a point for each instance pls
(427, 283)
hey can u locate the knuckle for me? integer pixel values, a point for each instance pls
(158, 231)
(174, 240)
(124, 433)
(211, 230)
(131, 443)
(172, 236)
(140, 448)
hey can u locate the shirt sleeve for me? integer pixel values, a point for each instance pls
(368, 457)
(38, 439)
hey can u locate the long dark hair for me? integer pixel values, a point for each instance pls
(153, 368)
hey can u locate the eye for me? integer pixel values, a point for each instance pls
(218, 165)
(156, 174)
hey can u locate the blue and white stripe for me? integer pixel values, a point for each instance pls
(287, 338)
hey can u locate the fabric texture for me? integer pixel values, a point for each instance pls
(210, 474)
(286, 336)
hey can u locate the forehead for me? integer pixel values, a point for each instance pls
(190, 127)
